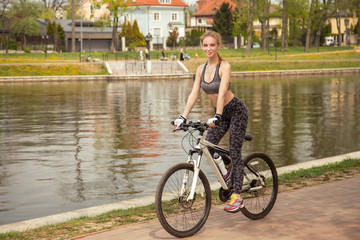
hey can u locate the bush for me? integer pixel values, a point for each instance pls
(12, 44)
(27, 49)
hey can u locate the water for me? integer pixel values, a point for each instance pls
(66, 146)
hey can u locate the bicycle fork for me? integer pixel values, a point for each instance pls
(196, 164)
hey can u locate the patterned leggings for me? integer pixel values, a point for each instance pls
(235, 119)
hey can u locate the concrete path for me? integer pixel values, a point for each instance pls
(329, 211)
(143, 201)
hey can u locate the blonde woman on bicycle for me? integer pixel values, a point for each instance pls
(231, 114)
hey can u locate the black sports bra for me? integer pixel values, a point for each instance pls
(213, 86)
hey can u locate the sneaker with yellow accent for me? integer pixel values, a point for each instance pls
(235, 204)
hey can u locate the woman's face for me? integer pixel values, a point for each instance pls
(210, 46)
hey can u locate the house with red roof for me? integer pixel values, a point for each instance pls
(206, 10)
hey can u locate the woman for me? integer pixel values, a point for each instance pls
(230, 112)
(181, 55)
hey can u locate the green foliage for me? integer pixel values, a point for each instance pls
(223, 23)
(131, 32)
(12, 44)
(50, 29)
(22, 17)
(193, 37)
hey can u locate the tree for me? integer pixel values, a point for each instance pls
(284, 30)
(139, 38)
(250, 25)
(117, 8)
(223, 23)
(4, 4)
(73, 26)
(173, 34)
(54, 29)
(308, 28)
(23, 16)
(264, 20)
(297, 13)
(131, 32)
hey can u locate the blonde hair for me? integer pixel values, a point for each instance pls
(216, 36)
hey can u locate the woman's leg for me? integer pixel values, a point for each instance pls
(237, 130)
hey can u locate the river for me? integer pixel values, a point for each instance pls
(72, 145)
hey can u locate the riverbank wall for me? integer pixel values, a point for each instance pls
(147, 200)
(109, 78)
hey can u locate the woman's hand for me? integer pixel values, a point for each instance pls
(214, 120)
(179, 121)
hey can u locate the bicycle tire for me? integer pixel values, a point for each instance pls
(179, 217)
(258, 203)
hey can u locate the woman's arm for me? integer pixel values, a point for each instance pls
(194, 92)
(225, 74)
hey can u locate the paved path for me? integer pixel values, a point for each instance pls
(329, 211)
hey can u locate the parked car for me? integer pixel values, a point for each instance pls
(255, 45)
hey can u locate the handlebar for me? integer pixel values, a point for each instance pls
(201, 127)
(196, 125)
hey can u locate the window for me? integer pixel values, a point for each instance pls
(157, 16)
(165, 1)
(201, 21)
(174, 16)
(157, 32)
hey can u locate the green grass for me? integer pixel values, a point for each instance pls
(84, 225)
(52, 69)
(35, 64)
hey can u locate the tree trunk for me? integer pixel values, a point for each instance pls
(284, 27)
(56, 38)
(318, 35)
(114, 35)
(250, 26)
(239, 27)
(263, 27)
(308, 30)
(73, 26)
(338, 24)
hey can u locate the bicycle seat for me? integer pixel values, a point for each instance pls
(248, 137)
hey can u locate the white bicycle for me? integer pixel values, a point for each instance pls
(183, 196)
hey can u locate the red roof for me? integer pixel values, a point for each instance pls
(155, 3)
(213, 6)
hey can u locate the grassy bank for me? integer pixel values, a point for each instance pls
(35, 64)
(52, 69)
(289, 181)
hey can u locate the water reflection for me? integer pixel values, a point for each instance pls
(65, 146)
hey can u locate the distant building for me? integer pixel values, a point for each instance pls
(348, 20)
(157, 17)
(206, 10)
(93, 39)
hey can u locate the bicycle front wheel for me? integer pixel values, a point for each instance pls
(180, 216)
(260, 186)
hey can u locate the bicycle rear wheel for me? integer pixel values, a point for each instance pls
(260, 186)
(178, 216)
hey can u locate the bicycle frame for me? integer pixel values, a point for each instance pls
(202, 148)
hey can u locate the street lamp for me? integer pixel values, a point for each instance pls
(275, 38)
(45, 37)
(80, 49)
(268, 43)
(148, 39)
(318, 37)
